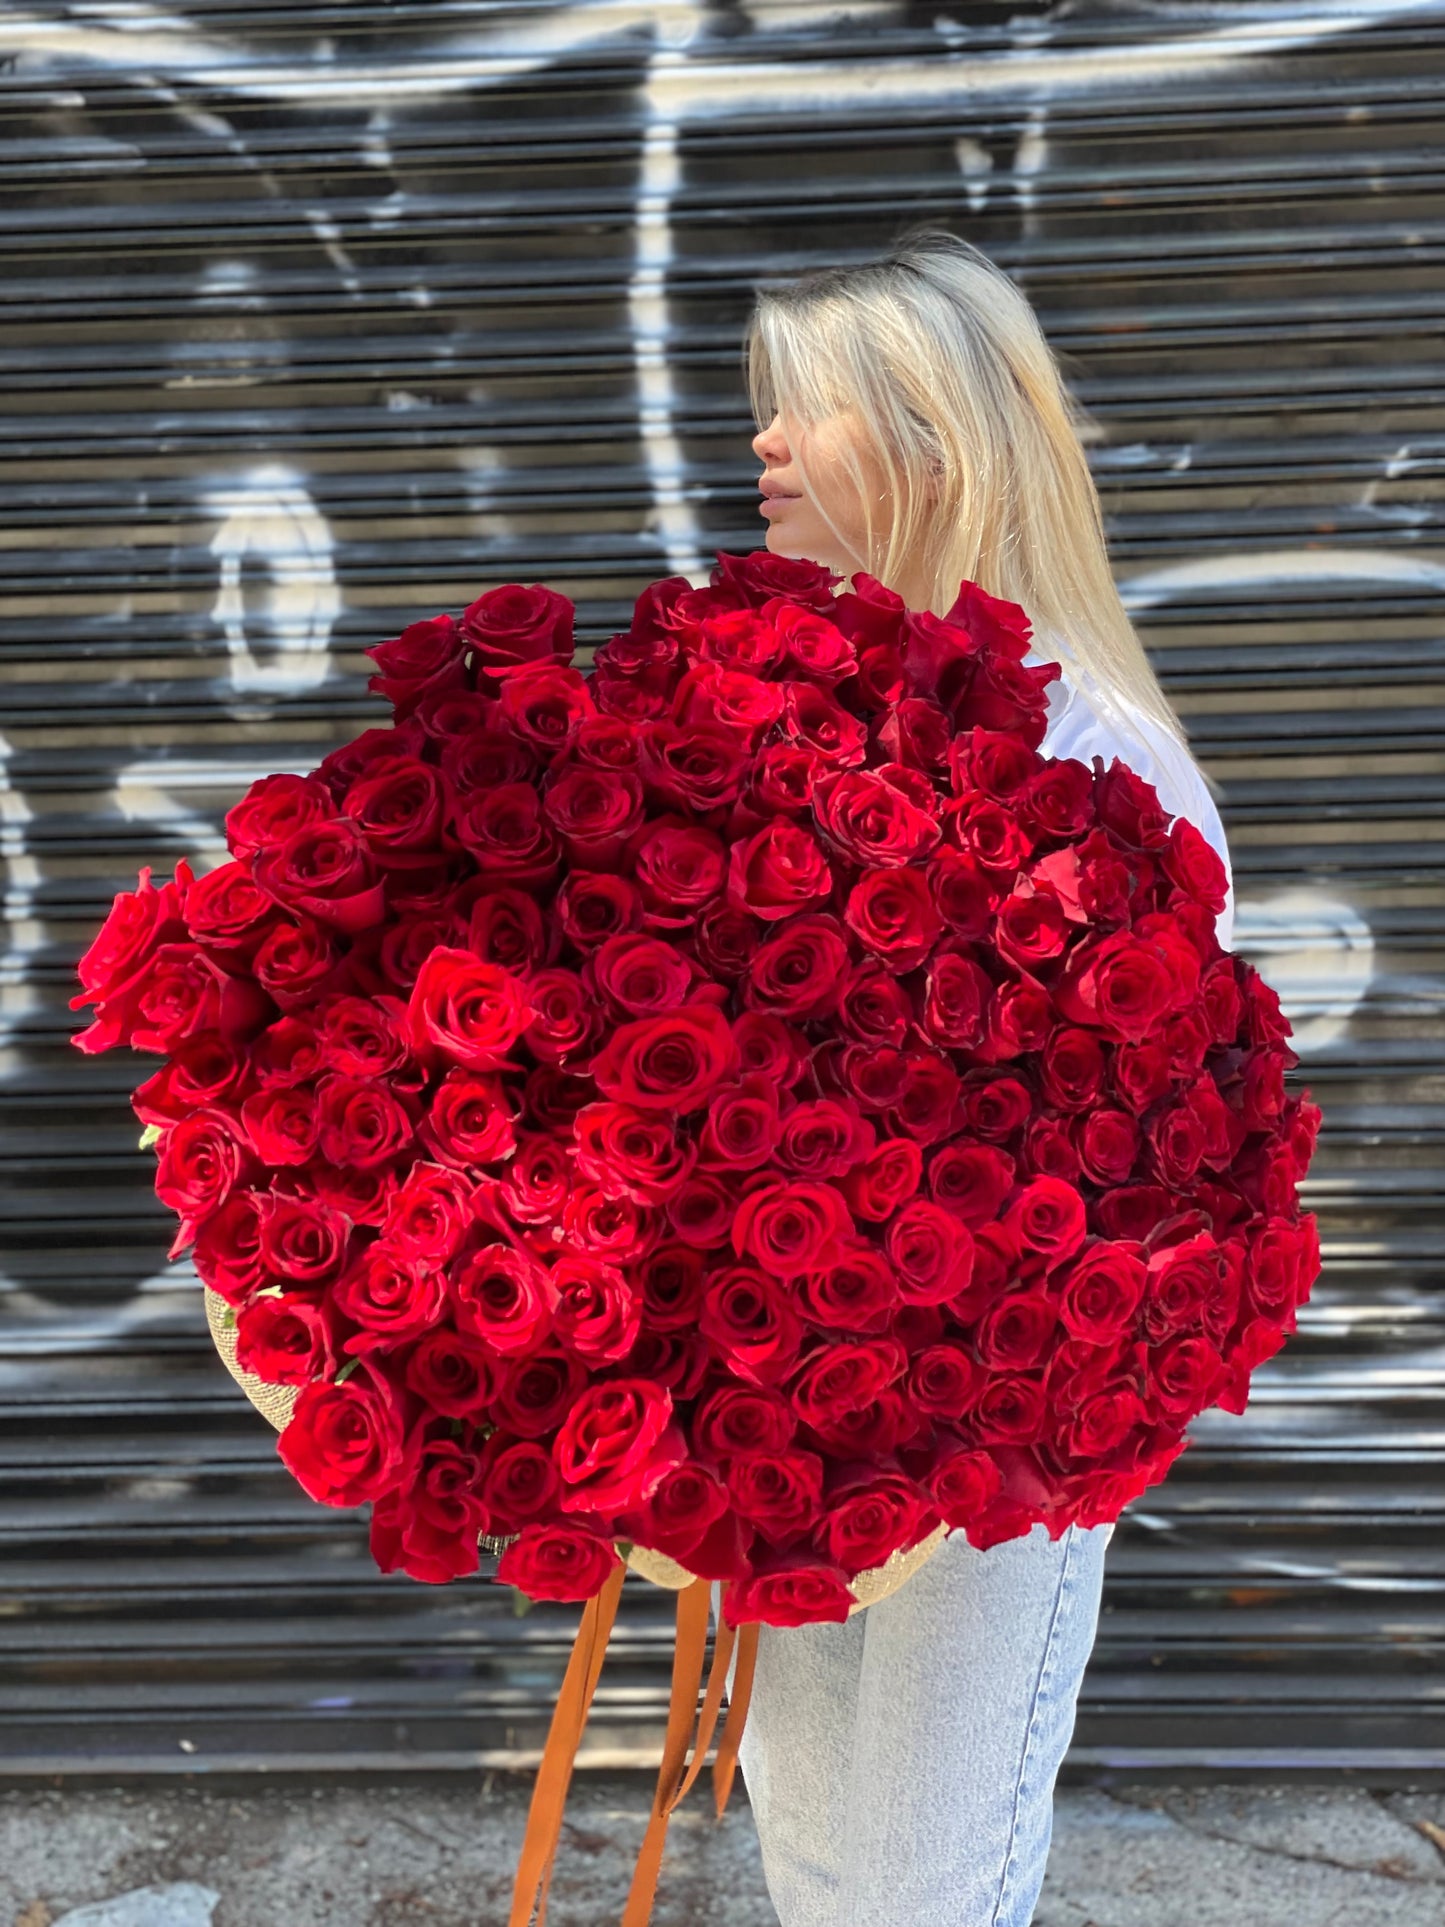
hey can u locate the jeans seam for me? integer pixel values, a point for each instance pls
(1045, 1666)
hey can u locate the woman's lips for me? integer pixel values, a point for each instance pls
(773, 502)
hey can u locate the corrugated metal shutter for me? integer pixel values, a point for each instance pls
(318, 318)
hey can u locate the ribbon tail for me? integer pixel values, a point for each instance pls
(569, 1716)
(692, 1618)
(725, 1764)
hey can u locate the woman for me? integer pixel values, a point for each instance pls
(901, 1767)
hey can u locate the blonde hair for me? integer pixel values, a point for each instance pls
(966, 409)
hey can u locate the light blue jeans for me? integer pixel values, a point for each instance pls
(901, 1767)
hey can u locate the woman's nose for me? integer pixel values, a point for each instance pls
(769, 442)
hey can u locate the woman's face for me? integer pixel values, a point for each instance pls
(796, 524)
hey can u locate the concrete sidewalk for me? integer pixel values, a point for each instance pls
(419, 1855)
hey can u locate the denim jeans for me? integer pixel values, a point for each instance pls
(901, 1767)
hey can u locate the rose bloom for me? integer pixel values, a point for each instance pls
(466, 1010)
(667, 1062)
(345, 1443)
(557, 1562)
(613, 1446)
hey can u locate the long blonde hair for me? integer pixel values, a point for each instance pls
(965, 407)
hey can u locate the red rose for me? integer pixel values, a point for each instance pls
(966, 895)
(345, 1443)
(286, 1341)
(227, 1254)
(537, 1390)
(927, 1106)
(1072, 1068)
(858, 1292)
(199, 1163)
(730, 698)
(931, 1251)
(295, 961)
(871, 1517)
(680, 870)
(614, 1445)
(1129, 808)
(846, 1377)
(507, 835)
(469, 1120)
(736, 638)
(749, 1321)
(281, 1125)
(640, 976)
(1284, 1261)
(1183, 1279)
(503, 1298)
(812, 646)
(1014, 1332)
(557, 1562)
(1108, 1145)
(998, 762)
(799, 1590)
(698, 768)
(304, 1243)
(944, 1380)
(225, 912)
(273, 808)
(425, 659)
(813, 720)
(451, 1374)
(778, 872)
(671, 1277)
(889, 1175)
(519, 1482)
(963, 1485)
(1120, 984)
(874, 1008)
(741, 1131)
(798, 973)
(740, 1418)
(679, 1518)
(780, 1493)
(1184, 1376)
(1048, 1217)
(596, 1313)
(485, 758)
(970, 1180)
(669, 1062)
(1058, 800)
(1103, 1291)
(431, 1213)
(325, 871)
(913, 730)
(791, 1228)
(630, 1153)
(594, 812)
(701, 1213)
(545, 705)
(879, 818)
(469, 1011)
(956, 1000)
(761, 575)
(399, 806)
(1010, 1410)
(538, 1178)
(893, 915)
(1032, 928)
(390, 1298)
(591, 907)
(362, 1123)
(512, 627)
(825, 1139)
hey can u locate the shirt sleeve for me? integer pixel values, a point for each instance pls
(1083, 724)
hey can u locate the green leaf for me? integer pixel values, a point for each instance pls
(149, 1136)
(346, 1371)
(522, 1604)
(623, 1547)
(228, 1319)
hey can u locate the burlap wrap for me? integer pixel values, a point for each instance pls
(276, 1403)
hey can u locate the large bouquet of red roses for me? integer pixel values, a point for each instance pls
(745, 1103)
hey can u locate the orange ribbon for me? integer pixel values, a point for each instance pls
(677, 1771)
(554, 1775)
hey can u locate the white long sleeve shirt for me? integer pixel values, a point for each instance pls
(1084, 722)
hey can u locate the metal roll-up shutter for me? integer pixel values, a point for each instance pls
(319, 318)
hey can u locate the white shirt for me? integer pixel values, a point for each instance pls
(1085, 721)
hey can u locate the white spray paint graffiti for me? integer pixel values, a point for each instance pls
(277, 637)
